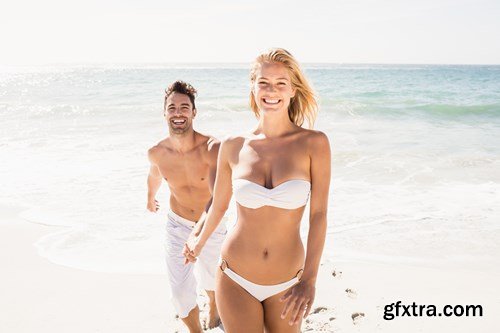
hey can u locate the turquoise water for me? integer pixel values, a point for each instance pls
(430, 89)
(416, 159)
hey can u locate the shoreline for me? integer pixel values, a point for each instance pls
(39, 296)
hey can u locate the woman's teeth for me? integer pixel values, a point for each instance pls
(271, 101)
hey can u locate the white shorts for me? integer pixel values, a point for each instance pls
(181, 277)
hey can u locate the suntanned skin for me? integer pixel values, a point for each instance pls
(187, 172)
(187, 160)
(265, 246)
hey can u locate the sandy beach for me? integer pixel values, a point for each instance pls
(39, 296)
(411, 112)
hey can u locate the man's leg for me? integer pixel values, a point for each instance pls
(192, 321)
(181, 277)
(213, 319)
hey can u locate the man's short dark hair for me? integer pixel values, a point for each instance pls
(180, 87)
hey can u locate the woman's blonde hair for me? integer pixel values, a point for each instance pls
(303, 106)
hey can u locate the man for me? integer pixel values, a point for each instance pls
(187, 160)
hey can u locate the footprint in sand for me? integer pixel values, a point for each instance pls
(321, 328)
(356, 317)
(351, 293)
(337, 274)
(320, 320)
(319, 309)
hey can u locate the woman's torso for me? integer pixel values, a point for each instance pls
(265, 245)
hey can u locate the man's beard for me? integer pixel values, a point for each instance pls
(179, 130)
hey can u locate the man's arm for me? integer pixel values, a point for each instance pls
(154, 181)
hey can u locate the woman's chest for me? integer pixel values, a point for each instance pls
(271, 162)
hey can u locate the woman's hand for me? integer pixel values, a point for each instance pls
(192, 248)
(301, 298)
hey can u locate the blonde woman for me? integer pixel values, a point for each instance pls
(266, 281)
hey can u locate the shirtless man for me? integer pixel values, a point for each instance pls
(187, 160)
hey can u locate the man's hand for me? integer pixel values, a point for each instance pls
(185, 251)
(153, 205)
(188, 256)
(192, 249)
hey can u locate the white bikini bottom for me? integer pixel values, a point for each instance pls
(260, 292)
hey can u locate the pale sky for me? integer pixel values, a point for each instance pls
(331, 31)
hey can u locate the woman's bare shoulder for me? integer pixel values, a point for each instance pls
(314, 136)
(317, 141)
(234, 141)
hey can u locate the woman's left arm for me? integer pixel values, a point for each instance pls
(301, 296)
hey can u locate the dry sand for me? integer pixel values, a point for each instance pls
(39, 296)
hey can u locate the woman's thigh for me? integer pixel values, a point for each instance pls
(239, 311)
(272, 316)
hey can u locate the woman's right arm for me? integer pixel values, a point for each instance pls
(221, 198)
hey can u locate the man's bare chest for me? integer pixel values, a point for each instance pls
(183, 171)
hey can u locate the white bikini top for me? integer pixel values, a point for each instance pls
(291, 194)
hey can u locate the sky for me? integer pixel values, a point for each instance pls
(322, 31)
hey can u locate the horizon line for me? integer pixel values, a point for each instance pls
(237, 63)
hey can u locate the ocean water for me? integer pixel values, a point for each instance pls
(416, 158)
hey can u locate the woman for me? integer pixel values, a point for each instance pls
(266, 282)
